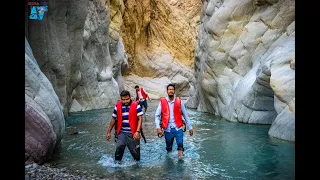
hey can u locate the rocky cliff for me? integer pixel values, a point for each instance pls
(73, 63)
(44, 121)
(80, 56)
(245, 63)
(159, 38)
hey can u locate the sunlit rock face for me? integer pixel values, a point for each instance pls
(245, 63)
(159, 38)
(79, 48)
(44, 120)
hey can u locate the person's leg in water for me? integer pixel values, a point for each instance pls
(179, 140)
(120, 147)
(133, 146)
(169, 140)
(145, 104)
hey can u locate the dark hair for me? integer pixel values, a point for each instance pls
(136, 86)
(125, 93)
(174, 86)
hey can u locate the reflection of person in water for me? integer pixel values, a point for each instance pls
(170, 167)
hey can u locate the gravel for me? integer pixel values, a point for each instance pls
(48, 171)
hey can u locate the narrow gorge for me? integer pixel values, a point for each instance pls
(234, 59)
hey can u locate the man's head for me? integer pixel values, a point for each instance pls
(137, 88)
(125, 97)
(170, 90)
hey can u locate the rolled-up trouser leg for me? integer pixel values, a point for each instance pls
(121, 145)
(133, 146)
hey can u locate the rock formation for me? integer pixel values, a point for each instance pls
(245, 63)
(73, 63)
(77, 52)
(44, 121)
(159, 38)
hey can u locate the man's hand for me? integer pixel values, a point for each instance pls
(136, 135)
(191, 132)
(108, 136)
(159, 131)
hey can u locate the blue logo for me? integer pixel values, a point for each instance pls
(37, 12)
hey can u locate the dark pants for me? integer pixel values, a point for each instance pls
(143, 104)
(169, 136)
(126, 139)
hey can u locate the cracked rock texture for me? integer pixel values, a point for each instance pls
(245, 63)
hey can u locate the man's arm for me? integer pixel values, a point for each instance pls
(185, 115)
(139, 123)
(112, 123)
(146, 94)
(157, 116)
(157, 119)
(136, 135)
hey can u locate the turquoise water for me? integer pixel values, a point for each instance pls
(218, 150)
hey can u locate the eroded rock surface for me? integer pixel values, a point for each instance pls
(44, 120)
(245, 63)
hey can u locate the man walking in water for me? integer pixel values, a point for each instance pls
(141, 97)
(127, 119)
(168, 117)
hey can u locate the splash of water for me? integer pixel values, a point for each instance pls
(108, 161)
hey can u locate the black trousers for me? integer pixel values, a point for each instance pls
(126, 140)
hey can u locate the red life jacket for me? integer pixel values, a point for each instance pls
(165, 112)
(133, 118)
(144, 95)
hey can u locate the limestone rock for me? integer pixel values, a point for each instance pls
(79, 48)
(245, 63)
(116, 46)
(159, 38)
(44, 120)
(97, 87)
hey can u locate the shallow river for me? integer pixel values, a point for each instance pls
(218, 150)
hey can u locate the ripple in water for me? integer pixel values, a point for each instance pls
(153, 154)
(108, 161)
(218, 150)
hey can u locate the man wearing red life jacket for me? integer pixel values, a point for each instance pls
(168, 117)
(141, 97)
(127, 116)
